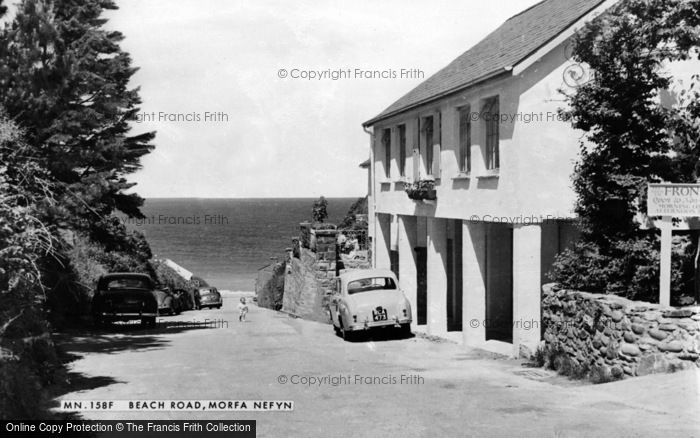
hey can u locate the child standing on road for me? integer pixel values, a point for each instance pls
(243, 309)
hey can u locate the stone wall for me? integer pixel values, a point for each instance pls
(621, 336)
(269, 286)
(309, 280)
(311, 273)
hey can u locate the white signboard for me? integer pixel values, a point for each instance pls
(675, 200)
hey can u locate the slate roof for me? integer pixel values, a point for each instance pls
(517, 38)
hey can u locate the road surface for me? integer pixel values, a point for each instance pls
(412, 387)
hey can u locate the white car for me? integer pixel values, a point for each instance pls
(367, 299)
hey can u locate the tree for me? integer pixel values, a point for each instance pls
(350, 220)
(25, 367)
(634, 138)
(320, 210)
(64, 79)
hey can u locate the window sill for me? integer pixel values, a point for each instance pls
(489, 174)
(462, 176)
(400, 183)
(384, 181)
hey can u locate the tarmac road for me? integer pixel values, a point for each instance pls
(411, 387)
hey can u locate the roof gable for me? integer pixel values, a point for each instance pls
(517, 38)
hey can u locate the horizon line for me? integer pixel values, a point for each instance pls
(251, 197)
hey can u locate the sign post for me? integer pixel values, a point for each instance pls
(665, 268)
(669, 201)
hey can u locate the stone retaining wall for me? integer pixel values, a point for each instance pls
(621, 336)
(307, 286)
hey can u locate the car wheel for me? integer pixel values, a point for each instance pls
(219, 306)
(405, 329)
(346, 334)
(148, 322)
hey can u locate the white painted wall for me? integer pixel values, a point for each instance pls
(536, 158)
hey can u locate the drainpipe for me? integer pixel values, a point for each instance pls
(371, 211)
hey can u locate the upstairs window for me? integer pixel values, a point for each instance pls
(465, 140)
(402, 150)
(429, 140)
(492, 119)
(386, 142)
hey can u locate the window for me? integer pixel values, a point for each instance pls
(402, 150)
(386, 142)
(465, 140)
(429, 140)
(370, 284)
(128, 283)
(491, 119)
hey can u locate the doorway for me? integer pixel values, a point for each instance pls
(499, 282)
(454, 276)
(422, 285)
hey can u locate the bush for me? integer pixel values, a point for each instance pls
(82, 262)
(166, 276)
(350, 221)
(22, 395)
(319, 212)
(629, 268)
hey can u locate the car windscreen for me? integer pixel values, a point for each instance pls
(128, 283)
(369, 284)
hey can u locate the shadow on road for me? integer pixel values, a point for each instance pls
(119, 337)
(73, 344)
(381, 335)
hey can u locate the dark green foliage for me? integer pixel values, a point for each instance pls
(28, 359)
(350, 221)
(422, 189)
(539, 357)
(65, 80)
(629, 268)
(166, 276)
(319, 213)
(23, 397)
(63, 162)
(323, 226)
(634, 137)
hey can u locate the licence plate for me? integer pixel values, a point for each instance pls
(379, 314)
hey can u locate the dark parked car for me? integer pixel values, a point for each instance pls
(209, 297)
(125, 296)
(182, 297)
(168, 302)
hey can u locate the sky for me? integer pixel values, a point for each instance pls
(230, 126)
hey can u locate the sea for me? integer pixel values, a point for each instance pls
(226, 241)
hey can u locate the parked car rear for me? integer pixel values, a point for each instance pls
(209, 297)
(125, 296)
(368, 299)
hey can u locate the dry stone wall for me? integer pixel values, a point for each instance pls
(631, 338)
